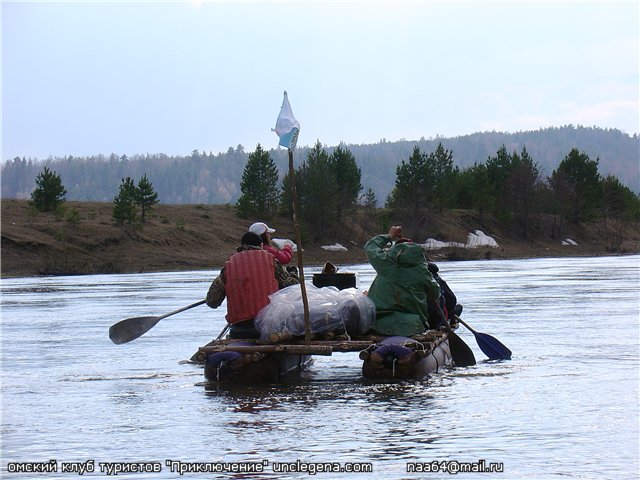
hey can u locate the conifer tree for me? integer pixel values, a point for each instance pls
(320, 197)
(618, 201)
(581, 194)
(49, 192)
(368, 202)
(124, 204)
(348, 177)
(473, 188)
(259, 186)
(286, 208)
(145, 196)
(409, 197)
(523, 190)
(443, 172)
(498, 170)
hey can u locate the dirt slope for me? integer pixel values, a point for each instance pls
(85, 239)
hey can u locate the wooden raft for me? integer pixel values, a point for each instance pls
(426, 342)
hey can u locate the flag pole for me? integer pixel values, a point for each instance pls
(287, 128)
(296, 224)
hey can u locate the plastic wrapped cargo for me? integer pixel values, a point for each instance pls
(330, 310)
(356, 310)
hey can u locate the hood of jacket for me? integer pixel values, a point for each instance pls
(407, 254)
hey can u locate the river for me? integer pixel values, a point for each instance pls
(566, 405)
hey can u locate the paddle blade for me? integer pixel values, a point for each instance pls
(460, 352)
(126, 330)
(492, 347)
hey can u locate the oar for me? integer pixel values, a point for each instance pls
(491, 346)
(224, 330)
(131, 328)
(460, 352)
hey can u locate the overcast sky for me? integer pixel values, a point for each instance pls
(84, 78)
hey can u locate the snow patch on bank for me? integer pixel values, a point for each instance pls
(433, 244)
(568, 241)
(336, 247)
(474, 240)
(479, 239)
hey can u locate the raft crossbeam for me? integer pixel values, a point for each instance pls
(425, 342)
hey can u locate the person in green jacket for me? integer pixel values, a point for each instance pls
(402, 287)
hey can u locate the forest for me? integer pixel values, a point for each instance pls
(207, 178)
(509, 187)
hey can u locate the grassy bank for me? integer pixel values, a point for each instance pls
(84, 239)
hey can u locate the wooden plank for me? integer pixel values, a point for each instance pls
(290, 349)
(424, 342)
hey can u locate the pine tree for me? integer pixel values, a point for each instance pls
(618, 201)
(369, 200)
(523, 189)
(145, 196)
(582, 192)
(124, 204)
(49, 192)
(410, 196)
(474, 190)
(259, 186)
(441, 166)
(320, 197)
(348, 178)
(498, 170)
(286, 207)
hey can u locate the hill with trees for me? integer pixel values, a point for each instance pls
(507, 195)
(208, 178)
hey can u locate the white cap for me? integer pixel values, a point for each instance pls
(260, 228)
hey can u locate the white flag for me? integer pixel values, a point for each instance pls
(287, 127)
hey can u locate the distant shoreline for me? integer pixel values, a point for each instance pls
(86, 240)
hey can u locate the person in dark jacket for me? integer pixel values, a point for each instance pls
(246, 281)
(448, 299)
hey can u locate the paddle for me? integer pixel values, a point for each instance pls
(491, 346)
(126, 330)
(460, 352)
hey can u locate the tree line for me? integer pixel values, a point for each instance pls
(511, 187)
(207, 178)
(508, 185)
(50, 195)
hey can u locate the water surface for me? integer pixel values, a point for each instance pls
(565, 406)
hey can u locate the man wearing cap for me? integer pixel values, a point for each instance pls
(403, 286)
(283, 256)
(246, 281)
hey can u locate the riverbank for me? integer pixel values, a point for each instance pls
(84, 239)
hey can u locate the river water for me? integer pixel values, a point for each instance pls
(566, 405)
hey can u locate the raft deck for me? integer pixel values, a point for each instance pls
(424, 344)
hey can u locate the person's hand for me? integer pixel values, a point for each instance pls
(395, 232)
